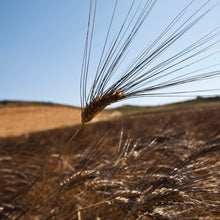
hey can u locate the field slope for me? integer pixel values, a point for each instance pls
(20, 117)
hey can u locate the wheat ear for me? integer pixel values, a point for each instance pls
(99, 103)
(144, 76)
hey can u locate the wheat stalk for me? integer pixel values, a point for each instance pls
(143, 77)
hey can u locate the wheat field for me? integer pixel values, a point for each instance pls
(161, 165)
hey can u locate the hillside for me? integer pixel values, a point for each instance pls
(23, 118)
(20, 117)
(11, 103)
(195, 103)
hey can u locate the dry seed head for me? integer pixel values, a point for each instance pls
(127, 193)
(121, 200)
(76, 178)
(99, 103)
(103, 184)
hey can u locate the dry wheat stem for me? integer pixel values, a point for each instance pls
(51, 171)
(108, 201)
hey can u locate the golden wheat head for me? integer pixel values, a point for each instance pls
(99, 103)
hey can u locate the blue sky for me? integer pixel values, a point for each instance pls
(41, 46)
